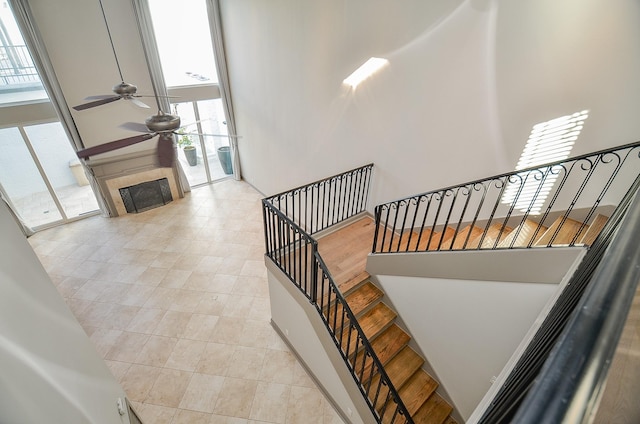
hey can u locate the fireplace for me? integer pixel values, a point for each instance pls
(131, 170)
(144, 196)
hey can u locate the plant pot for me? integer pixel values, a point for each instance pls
(191, 155)
(224, 156)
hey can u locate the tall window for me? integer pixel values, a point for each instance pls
(183, 37)
(19, 80)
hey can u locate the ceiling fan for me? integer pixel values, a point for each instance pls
(162, 124)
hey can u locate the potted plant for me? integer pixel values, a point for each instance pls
(185, 141)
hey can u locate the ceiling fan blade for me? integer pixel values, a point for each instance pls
(139, 103)
(166, 151)
(97, 103)
(135, 126)
(113, 145)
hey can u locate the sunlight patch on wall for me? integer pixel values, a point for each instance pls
(549, 141)
(367, 69)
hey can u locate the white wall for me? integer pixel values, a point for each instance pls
(50, 370)
(466, 81)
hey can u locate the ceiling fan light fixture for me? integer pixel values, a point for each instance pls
(125, 89)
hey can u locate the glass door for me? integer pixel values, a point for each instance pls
(39, 171)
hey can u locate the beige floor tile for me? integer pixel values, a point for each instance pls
(185, 300)
(176, 278)
(228, 330)
(305, 406)
(120, 316)
(183, 416)
(202, 393)
(238, 306)
(200, 327)
(118, 369)
(137, 295)
(270, 402)
(173, 324)
(104, 340)
(127, 347)
(215, 359)
(222, 283)
(212, 304)
(186, 355)
(169, 388)
(95, 314)
(236, 397)
(161, 298)
(146, 320)
(257, 334)
(156, 414)
(246, 363)
(69, 285)
(138, 381)
(114, 292)
(252, 286)
(278, 367)
(156, 351)
(90, 290)
(152, 276)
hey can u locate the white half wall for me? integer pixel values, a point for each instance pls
(51, 373)
(302, 328)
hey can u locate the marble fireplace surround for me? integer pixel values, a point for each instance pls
(116, 172)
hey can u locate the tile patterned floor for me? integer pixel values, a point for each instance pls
(175, 299)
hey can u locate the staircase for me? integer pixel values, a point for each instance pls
(345, 252)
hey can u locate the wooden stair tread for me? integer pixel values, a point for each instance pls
(399, 370)
(434, 411)
(363, 297)
(493, 232)
(441, 238)
(523, 234)
(594, 229)
(416, 391)
(385, 346)
(358, 300)
(353, 282)
(468, 233)
(567, 230)
(372, 322)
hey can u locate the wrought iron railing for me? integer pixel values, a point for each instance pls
(510, 210)
(319, 205)
(16, 66)
(290, 219)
